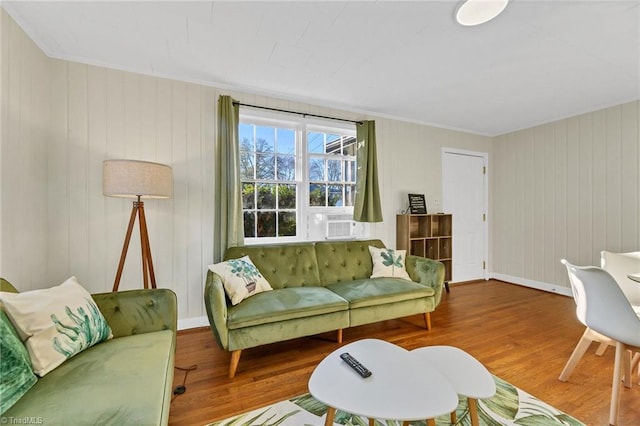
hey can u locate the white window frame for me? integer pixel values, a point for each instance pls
(302, 126)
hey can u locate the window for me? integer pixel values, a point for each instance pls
(269, 186)
(296, 177)
(332, 169)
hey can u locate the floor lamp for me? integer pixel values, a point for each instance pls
(136, 179)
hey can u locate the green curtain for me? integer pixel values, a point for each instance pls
(228, 222)
(367, 203)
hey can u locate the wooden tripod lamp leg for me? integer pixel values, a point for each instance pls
(125, 247)
(147, 261)
(143, 246)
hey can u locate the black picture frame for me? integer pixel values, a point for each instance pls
(417, 204)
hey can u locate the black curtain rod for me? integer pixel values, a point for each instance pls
(304, 114)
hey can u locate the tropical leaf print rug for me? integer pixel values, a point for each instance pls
(509, 406)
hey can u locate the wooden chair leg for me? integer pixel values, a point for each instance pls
(603, 347)
(339, 336)
(454, 418)
(635, 363)
(575, 357)
(615, 388)
(431, 422)
(235, 359)
(427, 320)
(372, 422)
(627, 378)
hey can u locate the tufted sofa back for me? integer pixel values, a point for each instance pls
(345, 260)
(309, 264)
(283, 265)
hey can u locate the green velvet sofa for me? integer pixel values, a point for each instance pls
(124, 380)
(318, 287)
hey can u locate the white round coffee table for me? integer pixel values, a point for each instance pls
(402, 387)
(465, 373)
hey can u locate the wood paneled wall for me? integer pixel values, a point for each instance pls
(100, 114)
(410, 161)
(24, 90)
(566, 189)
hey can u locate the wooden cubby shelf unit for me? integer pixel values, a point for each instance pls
(427, 235)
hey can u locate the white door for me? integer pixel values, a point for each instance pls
(464, 194)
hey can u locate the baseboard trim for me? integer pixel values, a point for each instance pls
(479, 280)
(187, 323)
(551, 288)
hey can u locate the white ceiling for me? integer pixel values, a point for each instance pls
(537, 62)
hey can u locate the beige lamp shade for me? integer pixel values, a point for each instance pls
(132, 179)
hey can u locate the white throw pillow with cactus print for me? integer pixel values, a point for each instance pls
(388, 263)
(240, 278)
(56, 323)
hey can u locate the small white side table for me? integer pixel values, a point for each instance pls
(402, 387)
(465, 373)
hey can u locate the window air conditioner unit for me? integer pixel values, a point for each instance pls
(340, 226)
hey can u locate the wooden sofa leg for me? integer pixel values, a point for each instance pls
(427, 320)
(339, 336)
(235, 359)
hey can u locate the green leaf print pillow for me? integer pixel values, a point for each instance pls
(240, 278)
(55, 323)
(388, 263)
(16, 375)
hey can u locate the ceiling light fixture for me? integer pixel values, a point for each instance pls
(476, 12)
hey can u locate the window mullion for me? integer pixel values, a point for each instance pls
(326, 177)
(302, 177)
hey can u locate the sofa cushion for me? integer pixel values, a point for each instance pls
(389, 263)
(241, 279)
(378, 291)
(124, 381)
(345, 260)
(284, 304)
(56, 323)
(283, 265)
(16, 375)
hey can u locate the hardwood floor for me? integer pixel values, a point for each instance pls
(523, 335)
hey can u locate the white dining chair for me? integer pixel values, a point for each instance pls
(619, 265)
(604, 308)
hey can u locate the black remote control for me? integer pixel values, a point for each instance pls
(353, 363)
